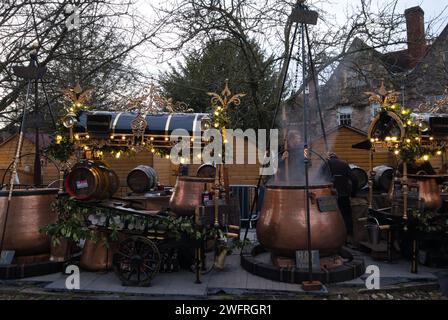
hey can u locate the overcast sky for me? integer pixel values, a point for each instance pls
(432, 8)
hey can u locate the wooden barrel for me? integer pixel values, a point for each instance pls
(383, 177)
(142, 179)
(206, 171)
(29, 210)
(361, 176)
(90, 180)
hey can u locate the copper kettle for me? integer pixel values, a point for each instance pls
(429, 193)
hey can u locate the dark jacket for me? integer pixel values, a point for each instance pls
(344, 181)
(296, 166)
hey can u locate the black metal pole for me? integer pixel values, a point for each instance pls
(37, 178)
(316, 88)
(279, 99)
(53, 120)
(306, 155)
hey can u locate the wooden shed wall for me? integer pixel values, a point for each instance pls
(341, 140)
(26, 164)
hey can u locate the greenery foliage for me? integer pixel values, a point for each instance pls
(429, 222)
(71, 223)
(206, 70)
(60, 147)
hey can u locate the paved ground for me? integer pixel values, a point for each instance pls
(233, 281)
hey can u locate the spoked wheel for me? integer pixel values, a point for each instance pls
(137, 261)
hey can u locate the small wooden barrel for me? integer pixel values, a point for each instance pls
(206, 171)
(91, 180)
(383, 177)
(361, 176)
(142, 179)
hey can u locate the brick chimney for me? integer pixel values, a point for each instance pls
(415, 24)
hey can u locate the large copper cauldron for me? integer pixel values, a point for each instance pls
(187, 194)
(282, 226)
(28, 211)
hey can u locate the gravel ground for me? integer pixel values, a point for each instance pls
(410, 292)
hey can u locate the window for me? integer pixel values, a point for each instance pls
(445, 56)
(345, 116)
(374, 109)
(432, 99)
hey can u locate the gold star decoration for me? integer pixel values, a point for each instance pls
(383, 97)
(77, 96)
(226, 98)
(151, 101)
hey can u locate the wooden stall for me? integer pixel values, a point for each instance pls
(341, 139)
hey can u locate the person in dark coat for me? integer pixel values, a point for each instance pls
(292, 165)
(345, 184)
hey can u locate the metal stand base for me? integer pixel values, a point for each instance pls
(31, 266)
(350, 270)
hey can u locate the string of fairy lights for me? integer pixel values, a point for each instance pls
(65, 142)
(409, 140)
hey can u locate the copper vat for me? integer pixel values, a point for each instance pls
(61, 252)
(29, 211)
(96, 255)
(187, 194)
(282, 226)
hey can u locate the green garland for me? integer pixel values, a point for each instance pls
(71, 221)
(60, 147)
(428, 222)
(410, 148)
(73, 216)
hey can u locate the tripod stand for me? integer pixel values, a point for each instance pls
(302, 16)
(31, 72)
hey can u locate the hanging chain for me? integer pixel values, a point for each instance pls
(296, 75)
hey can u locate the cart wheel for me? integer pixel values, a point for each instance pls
(137, 261)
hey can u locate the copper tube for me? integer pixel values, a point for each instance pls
(282, 226)
(371, 177)
(216, 194)
(405, 191)
(187, 194)
(286, 162)
(29, 210)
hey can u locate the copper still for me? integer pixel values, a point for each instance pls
(187, 194)
(30, 209)
(428, 191)
(282, 226)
